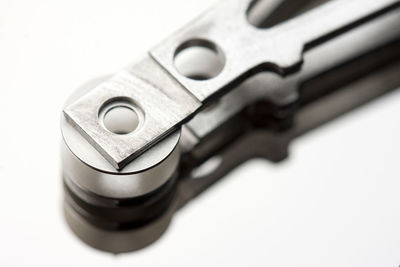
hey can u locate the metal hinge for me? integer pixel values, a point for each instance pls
(144, 142)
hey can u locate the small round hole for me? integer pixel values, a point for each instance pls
(120, 117)
(199, 59)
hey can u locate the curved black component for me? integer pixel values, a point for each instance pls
(120, 214)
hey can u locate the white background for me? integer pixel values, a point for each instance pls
(334, 202)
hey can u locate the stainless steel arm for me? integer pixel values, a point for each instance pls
(245, 50)
(187, 131)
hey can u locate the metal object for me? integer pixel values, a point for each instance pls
(188, 129)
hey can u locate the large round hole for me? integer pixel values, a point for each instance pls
(199, 59)
(120, 117)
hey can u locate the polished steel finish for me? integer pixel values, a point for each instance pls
(277, 83)
(284, 91)
(88, 169)
(162, 109)
(245, 50)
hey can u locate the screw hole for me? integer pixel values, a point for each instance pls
(199, 59)
(120, 116)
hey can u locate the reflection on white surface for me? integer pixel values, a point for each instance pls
(334, 202)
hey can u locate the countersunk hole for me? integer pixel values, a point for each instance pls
(120, 116)
(199, 59)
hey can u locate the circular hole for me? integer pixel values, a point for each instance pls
(120, 118)
(199, 59)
